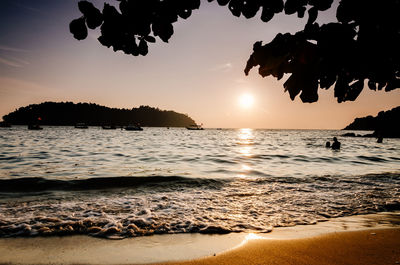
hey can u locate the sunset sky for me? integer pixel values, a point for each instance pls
(199, 72)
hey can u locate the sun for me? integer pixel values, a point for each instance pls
(246, 100)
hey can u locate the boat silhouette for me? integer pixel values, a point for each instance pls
(81, 126)
(195, 127)
(109, 127)
(34, 127)
(133, 128)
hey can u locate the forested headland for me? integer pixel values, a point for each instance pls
(385, 123)
(69, 113)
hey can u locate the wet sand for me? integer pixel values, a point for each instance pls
(357, 247)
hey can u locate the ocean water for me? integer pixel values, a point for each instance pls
(118, 184)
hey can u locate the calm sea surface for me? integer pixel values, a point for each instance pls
(114, 183)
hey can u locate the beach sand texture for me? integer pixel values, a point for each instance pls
(357, 247)
(381, 246)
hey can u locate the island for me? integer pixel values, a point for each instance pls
(70, 114)
(385, 124)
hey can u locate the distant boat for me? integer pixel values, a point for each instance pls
(133, 128)
(34, 127)
(195, 127)
(109, 127)
(81, 126)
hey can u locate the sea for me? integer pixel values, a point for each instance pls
(116, 184)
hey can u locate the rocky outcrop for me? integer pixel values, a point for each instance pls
(385, 124)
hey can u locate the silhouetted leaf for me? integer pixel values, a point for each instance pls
(235, 6)
(93, 15)
(372, 85)
(321, 5)
(392, 84)
(223, 2)
(293, 6)
(143, 49)
(355, 90)
(163, 30)
(312, 15)
(104, 41)
(267, 14)
(150, 39)
(250, 9)
(184, 13)
(78, 28)
(301, 11)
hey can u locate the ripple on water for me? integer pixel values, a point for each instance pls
(372, 158)
(235, 180)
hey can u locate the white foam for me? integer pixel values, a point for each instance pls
(162, 248)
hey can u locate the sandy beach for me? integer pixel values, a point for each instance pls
(357, 247)
(371, 246)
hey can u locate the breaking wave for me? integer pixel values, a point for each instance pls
(43, 184)
(138, 206)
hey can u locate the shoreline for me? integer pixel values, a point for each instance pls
(228, 249)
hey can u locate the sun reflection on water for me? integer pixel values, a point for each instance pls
(245, 142)
(245, 149)
(246, 136)
(246, 168)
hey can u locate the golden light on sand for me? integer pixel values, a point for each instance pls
(246, 100)
(252, 236)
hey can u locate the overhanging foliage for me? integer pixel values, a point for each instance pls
(362, 46)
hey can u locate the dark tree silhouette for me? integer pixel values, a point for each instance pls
(385, 124)
(362, 46)
(68, 113)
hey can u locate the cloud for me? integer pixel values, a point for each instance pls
(226, 67)
(14, 62)
(8, 60)
(11, 49)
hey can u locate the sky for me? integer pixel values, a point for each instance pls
(199, 72)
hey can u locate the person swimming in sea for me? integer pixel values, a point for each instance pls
(328, 144)
(380, 138)
(335, 144)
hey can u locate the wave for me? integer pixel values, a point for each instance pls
(37, 184)
(177, 204)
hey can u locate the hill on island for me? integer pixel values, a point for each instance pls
(69, 113)
(385, 123)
